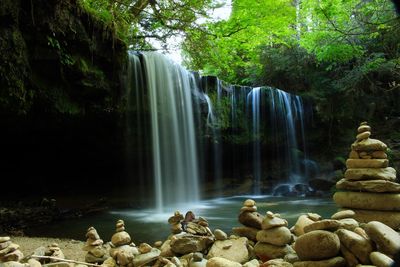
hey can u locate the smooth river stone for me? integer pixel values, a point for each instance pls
(387, 239)
(368, 201)
(390, 218)
(363, 135)
(353, 155)
(366, 163)
(380, 259)
(371, 174)
(357, 244)
(246, 231)
(325, 224)
(277, 236)
(232, 249)
(317, 245)
(267, 251)
(364, 128)
(251, 219)
(379, 155)
(343, 214)
(377, 186)
(369, 145)
(300, 224)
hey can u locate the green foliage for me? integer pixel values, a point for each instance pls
(65, 57)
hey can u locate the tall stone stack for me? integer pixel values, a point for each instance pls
(250, 219)
(94, 247)
(370, 187)
(122, 250)
(274, 238)
(9, 251)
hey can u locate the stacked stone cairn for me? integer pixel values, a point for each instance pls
(9, 251)
(250, 219)
(371, 190)
(55, 252)
(122, 249)
(274, 239)
(94, 246)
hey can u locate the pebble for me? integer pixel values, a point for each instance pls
(343, 214)
(387, 239)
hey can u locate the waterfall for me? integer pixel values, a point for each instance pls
(174, 149)
(253, 133)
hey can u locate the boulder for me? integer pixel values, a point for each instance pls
(267, 251)
(371, 174)
(326, 224)
(221, 262)
(358, 245)
(251, 219)
(366, 163)
(380, 259)
(317, 245)
(375, 186)
(387, 239)
(390, 218)
(369, 145)
(277, 236)
(333, 262)
(368, 201)
(232, 249)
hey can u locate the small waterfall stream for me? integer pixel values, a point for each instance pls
(173, 97)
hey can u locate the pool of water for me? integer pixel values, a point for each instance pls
(150, 225)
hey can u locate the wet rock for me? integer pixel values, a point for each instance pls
(387, 240)
(317, 245)
(349, 224)
(358, 245)
(232, 249)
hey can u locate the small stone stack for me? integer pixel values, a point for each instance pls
(55, 251)
(94, 247)
(274, 238)
(122, 251)
(175, 222)
(250, 219)
(9, 251)
(371, 190)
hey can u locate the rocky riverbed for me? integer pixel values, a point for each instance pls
(360, 234)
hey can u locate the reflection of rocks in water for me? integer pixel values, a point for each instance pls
(289, 190)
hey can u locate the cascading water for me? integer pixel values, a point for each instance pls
(271, 120)
(175, 160)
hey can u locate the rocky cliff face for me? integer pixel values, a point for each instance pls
(57, 58)
(61, 97)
